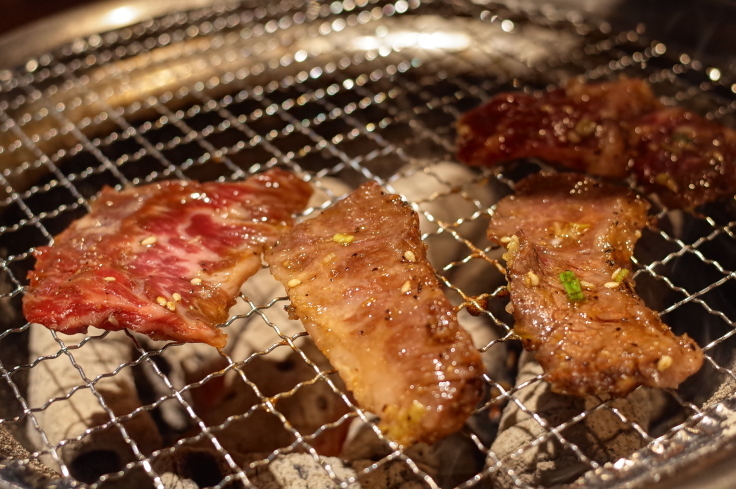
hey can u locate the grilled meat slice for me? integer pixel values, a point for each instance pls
(600, 339)
(684, 158)
(583, 127)
(359, 280)
(610, 129)
(164, 259)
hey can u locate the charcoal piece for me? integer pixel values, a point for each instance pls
(99, 451)
(601, 436)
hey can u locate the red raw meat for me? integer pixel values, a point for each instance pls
(165, 259)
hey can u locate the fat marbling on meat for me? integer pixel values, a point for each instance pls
(164, 259)
(600, 338)
(358, 278)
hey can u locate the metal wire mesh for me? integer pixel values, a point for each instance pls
(338, 92)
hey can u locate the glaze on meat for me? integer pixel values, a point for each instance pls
(583, 127)
(609, 129)
(165, 259)
(359, 280)
(607, 341)
(684, 158)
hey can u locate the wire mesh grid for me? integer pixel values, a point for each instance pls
(339, 93)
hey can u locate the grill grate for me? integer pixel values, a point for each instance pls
(338, 92)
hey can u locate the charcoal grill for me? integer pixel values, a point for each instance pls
(339, 92)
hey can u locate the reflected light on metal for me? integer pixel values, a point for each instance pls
(122, 15)
(402, 40)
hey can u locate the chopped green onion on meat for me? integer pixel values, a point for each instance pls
(572, 286)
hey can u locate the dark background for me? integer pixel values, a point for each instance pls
(704, 29)
(15, 13)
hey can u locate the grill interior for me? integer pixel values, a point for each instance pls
(340, 93)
